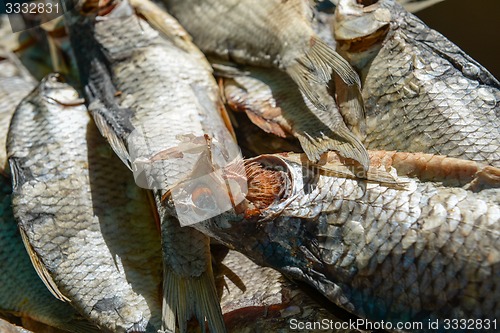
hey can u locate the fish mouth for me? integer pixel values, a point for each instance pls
(366, 3)
(364, 43)
(97, 7)
(269, 182)
(361, 24)
(56, 91)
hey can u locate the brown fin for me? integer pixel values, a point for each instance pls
(266, 125)
(487, 177)
(233, 277)
(439, 168)
(240, 95)
(41, 270)
(226, 118)
(154, 211)
(334, 165)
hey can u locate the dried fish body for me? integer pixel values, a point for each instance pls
(87, 226)
(412, 250)
(168, 129)
(279, 34)
(422, 93)
(22, 293)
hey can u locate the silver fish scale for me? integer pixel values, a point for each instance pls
(423, 252)
(410, 252)
(78, 219)
(240, 36)
(423, 94)
(175, 103)
(186, 243)
(21, 290)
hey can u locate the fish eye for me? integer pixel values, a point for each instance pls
(203, 198)
(366, 2)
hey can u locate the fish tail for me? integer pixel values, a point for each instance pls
(185, 297)
(315, 145)
(188, 284)
(352, 107)
(313, 73)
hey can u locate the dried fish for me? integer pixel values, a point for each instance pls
(412, 250)
(422, 93)
(154, 98)
(88, 228)
(279, 34)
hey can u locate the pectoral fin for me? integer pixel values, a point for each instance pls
(41, 270)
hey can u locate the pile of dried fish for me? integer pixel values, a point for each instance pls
(245, 166)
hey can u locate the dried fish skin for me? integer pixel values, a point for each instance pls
(87, 226)
(424, 251)
(279, 34)
(22, 293)
(169, 131)
(422, 93)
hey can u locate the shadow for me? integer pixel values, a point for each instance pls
(126, 221)
(472, 28)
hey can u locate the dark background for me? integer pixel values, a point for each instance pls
(474, 25)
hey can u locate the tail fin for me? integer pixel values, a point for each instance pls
(188, 287)
(319, 143)
(185, 297)
(313, 74)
